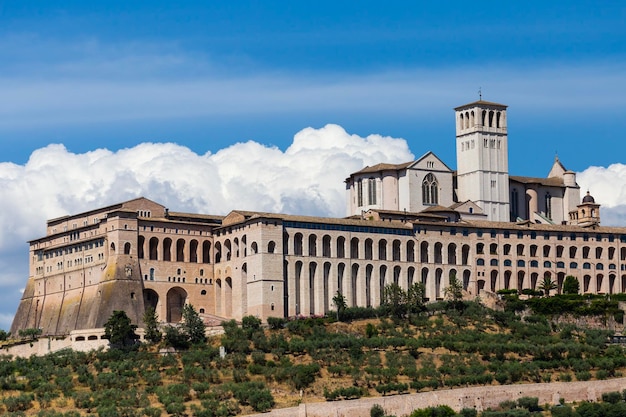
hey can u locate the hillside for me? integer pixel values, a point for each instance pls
(447, 344)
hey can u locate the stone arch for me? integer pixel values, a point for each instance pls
(297, 244)
(382, 281)
(153, 248)
(452, 254)
(396, 245)
(438, 283)
(271, 246)
(112, 249)
(466, 279)
(311, 287)
(218, 252)
(438, 253)
(369, 244)
(176, 299)
(167, 249)
(326, 246)
(150, 298)
(368, 285)
(141, 241)
(228, 250)
(465, 254)
(424, 252)
(206, 252)
(382, 250)
(218, 296)
(354, 284)
(326, 287)
(127, 248)
(410, 251)
(354, 248)
(520, 280)
(341, 247)
(341, 267)
(396, 275)
(507, 280)
(312, 245)
(228, 296)
(180, 250)
(410, 276)
(236, 247)
(298, 286)
(193, 251)
(424, 279)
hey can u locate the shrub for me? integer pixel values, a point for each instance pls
(529, 403)
(612, 397)
(21, 402)
(276, 323)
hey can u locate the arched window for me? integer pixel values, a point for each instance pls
(430, 190)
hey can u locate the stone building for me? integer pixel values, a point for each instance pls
(413, 222)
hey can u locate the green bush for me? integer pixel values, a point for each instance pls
(21, 402)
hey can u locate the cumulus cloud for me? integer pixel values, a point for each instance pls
(306, 178)
(608, 187)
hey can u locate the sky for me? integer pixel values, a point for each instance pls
(269, 105)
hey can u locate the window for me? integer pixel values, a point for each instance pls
(548, 206)
(359, 193)
(371, 191)
(430, 190)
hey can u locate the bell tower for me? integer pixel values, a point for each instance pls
(482, 157)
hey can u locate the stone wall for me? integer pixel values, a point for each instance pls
(479, 398)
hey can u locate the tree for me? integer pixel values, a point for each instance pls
(454, 290)
(547, 285)
(340, 302)
(415, 298)
(193, 325)
(119, 330)
(395, 300)
(571, 285)
(30, 334)
(153, 334)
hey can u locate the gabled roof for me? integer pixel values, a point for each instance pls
(426, 155)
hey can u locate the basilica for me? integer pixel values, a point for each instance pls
(418, 221)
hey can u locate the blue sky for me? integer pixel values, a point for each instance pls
(115, 74)
(269, 105)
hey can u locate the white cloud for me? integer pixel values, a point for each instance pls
(608, 188)
(307, 178)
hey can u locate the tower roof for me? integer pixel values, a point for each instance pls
(481, 103)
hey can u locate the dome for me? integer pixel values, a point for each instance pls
(588, 198)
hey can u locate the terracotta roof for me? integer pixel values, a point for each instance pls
(383, 167)
(250, 215)
(550, 182)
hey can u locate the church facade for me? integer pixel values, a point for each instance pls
(413, 222)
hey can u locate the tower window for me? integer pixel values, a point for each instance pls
(359, 193)
(548, 205)
(430, 190)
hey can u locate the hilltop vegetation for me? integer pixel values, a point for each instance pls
(404, 346)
